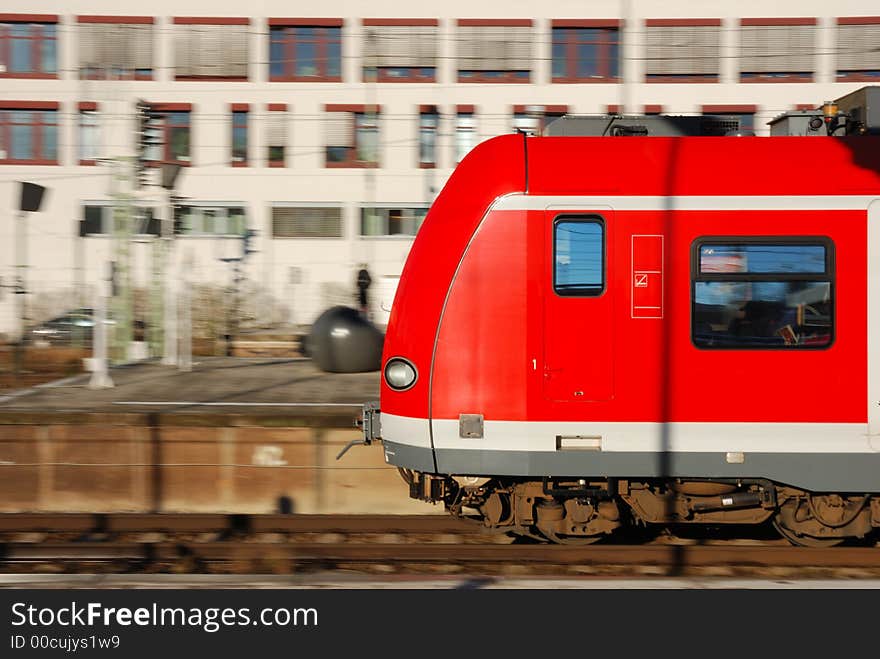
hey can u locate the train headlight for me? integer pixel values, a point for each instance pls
(400, 374)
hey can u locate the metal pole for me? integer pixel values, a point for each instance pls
(154, 329)
(122, 234)
(185, 360)
(100, 376)
(170, 335)
(21, 290)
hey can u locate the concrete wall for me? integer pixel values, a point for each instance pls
(95, 467)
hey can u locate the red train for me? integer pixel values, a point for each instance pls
(594, 332)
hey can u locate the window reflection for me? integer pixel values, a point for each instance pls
(579, 257)
(763, 295)
(762, 258)
(728, 314)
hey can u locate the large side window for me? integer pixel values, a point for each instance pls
(579, 256)
(763, 293)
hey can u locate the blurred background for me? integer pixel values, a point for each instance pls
(209, 182)
(246, 166)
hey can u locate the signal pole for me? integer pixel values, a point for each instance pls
(185, 361)
(237, 263)
(163, 328)
(20, 289)
(146, 143)
(122, 234)
(169, 173)
(31, 199)
(100, 376)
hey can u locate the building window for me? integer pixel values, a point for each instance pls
(428, 119)
(209, 51)
(115, 50)
(586, 53)
(28, 136)
(781, 50)
(206, 219)
(239, 136)
(177, 143)
(352, 136)
(400, 53)
(28, 50)
(305, 53)
(578, 256)
(170, 135)
(276, 134)
(858, 54)
(89, 136)
(680, 51)
(306, 222)
(98, 219)
(762, 293)
(497, 52)
(465, 134)
(392, 221)
(366, 137)
(93, 221)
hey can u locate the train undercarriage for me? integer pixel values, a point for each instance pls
(583, 511)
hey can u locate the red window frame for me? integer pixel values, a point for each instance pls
(431, 111)
(351, 160)
(848, 75)
(506, 77)
(211, 20)
(165, 129)
(240, 112)
(774, 76)
(567, 28)
(282, 108)
(36, 123)
(84, 106)
(288, 28)
(6, 39)
(463, 110)
(413, 74)
(685, 77)
(120, 20)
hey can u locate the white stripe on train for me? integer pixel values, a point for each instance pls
(640, 437)
(520, 201)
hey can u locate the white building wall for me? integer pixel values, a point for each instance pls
(327, 267)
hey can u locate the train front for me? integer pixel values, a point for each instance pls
(402, 417)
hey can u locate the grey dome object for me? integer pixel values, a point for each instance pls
(342, 341)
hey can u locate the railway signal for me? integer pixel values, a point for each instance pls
(147, 140)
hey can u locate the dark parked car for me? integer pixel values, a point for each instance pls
(74, 327)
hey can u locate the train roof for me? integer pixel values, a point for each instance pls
(683, 166)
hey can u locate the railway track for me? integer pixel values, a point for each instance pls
(289, 543)
(172, 523)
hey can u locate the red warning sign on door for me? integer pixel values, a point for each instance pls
(647, 276)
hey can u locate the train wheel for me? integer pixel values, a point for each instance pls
(804, 540)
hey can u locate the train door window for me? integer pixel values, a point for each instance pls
(762, 293)
(579, 256)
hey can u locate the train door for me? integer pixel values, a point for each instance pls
(578, 320)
